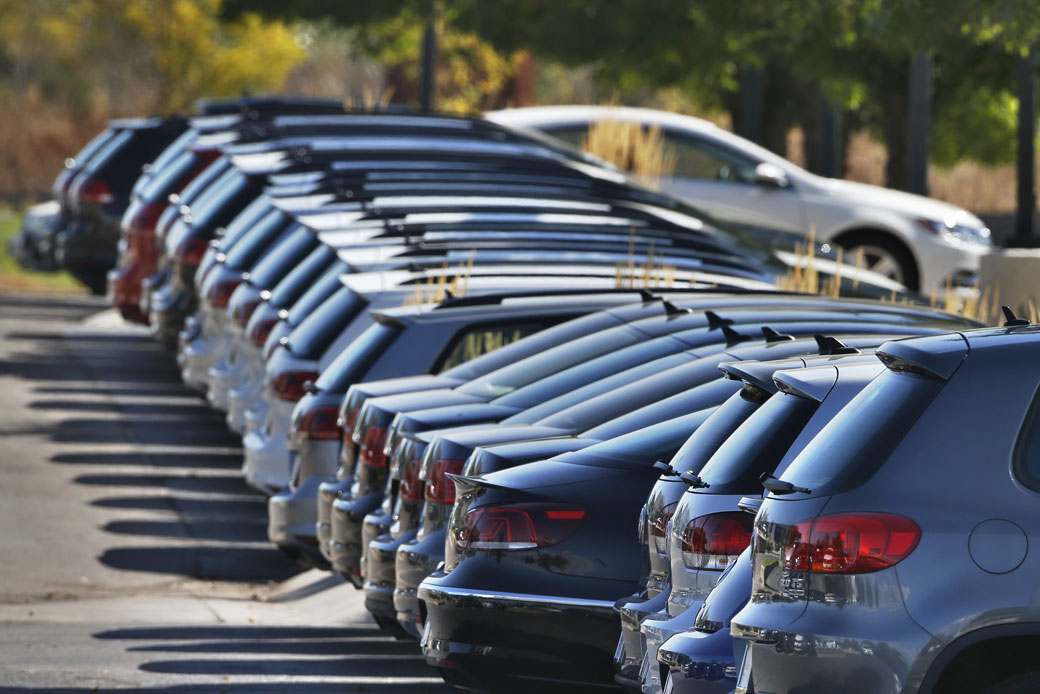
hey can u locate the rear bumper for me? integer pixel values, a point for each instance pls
(266, 465)
(345, 541)
(380, 573)
(656, 630)
(328, 492)
(241, 397)
(697, 662)
(631, 645)
(415, 560)
(501, 638)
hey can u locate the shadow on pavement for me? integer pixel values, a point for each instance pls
(210, 562)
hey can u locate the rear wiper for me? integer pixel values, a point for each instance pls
(780, 487)
(693, 480)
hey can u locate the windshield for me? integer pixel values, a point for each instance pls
(246, 251)
(354, 362)
(286, 255)
(553, 360)
(317, 331)
(327, 285)
(534, 344)
(292, 286)
(206, 212)
(167, 179)
(643, 446)
(244, 221)
(701, 446)
(93, 147)
(858, 440)
(758, 445)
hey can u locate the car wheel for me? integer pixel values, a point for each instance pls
(882, 255)
(1020, 684)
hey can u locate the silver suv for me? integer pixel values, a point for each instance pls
(893, 554)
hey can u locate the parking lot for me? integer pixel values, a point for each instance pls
(134, 557)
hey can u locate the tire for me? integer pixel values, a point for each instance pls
(884, 255)
(1027, 683)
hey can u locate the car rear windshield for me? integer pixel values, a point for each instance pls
(854, 445)
(535, 344)
(476, 340)
(644, 446)
(758, 445)
(327, 285)
(207, 214)
(94, 146)
(704, 442)
(317, 331)
(289, 252)
(553, 360)
(107, 150)
(168, 179)
(244, 221)
(293, 285)
(354, 362)
(246, 252)
(208, 177)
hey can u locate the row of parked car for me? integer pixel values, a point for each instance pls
(468, 361)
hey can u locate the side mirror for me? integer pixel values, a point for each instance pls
(770, 176)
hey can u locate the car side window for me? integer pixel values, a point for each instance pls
(476, 340)
(573, 135)
(1027, 451)
(696, 158)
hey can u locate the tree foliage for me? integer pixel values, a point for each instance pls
(160, 54)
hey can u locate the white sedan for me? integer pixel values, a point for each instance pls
(917, 241)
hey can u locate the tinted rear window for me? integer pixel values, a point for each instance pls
(206, 214)
(286, 255)
(107, 150)
(476, 340)
(201, 183)
(169, 178)
(327, 285)
(94, 146)
(758, 445)
(529, 370)
(704, 442)
(174, 150)
(294, 284)
(641, 447)
(535, 344)
(354, 362)
(317, 331)
(244, 253)
(859, 439)
(244, 221)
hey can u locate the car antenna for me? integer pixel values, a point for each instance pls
(733, 337)
(673, 310)
(1011, 320)
(715, 320)
(649, 296)
(774, 336)
(828, 346)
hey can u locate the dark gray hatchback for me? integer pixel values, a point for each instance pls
(893, 554)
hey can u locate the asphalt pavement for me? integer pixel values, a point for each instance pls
(132, 555)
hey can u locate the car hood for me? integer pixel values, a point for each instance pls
(897, 201)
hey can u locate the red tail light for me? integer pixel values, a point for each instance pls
(371, 449)
(220, 292)
(850, 543)
(261, 331)
(521, 526)
(714, 541)
(288, 386)
(439, 487)
(411, 485)
(95, 191)
(320, 424)
(244, 310)
(658, 527)
(190, 251)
